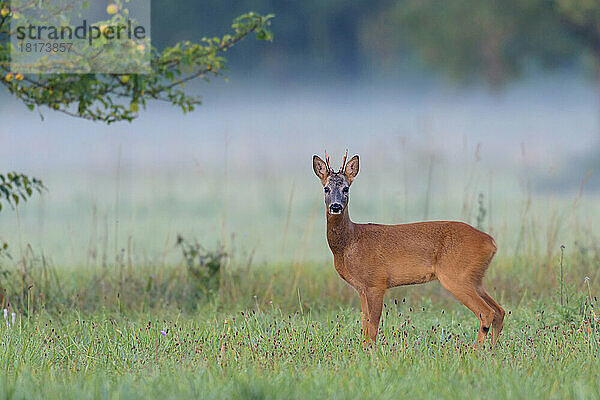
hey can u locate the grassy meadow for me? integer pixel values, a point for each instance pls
(269, 353)
(218, 283)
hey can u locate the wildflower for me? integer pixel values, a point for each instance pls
(586, 279)
(14, 316)
(163, 333)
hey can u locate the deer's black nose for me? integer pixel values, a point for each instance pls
(336, 208)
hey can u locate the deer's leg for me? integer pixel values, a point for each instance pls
(466, 293)
(499, 312)
(365, 314)
(374, 304)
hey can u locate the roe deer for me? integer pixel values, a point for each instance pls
(373, 257)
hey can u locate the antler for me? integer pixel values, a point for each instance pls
(327, 161)
(344, 161)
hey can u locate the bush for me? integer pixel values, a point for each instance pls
(205, 266)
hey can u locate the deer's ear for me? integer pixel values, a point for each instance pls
(351, 169)
(320, 169)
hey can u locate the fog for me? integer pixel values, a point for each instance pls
(542, 123)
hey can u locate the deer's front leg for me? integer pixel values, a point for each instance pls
(375, 304)
(365, 314)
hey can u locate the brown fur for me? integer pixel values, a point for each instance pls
(374, 257)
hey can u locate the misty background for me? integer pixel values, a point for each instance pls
(504, 119)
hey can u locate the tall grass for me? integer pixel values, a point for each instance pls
(89, 218)
(32, 284)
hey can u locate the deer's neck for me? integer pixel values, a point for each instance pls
(339, 231)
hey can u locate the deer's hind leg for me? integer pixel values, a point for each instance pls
(499, 312)
(466, 292)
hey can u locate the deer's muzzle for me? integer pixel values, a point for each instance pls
(336, 208)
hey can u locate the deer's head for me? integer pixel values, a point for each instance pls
(336, 184)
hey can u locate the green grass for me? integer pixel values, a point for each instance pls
(319, 354)
(290, 331)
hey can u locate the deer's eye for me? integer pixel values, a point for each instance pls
(345, 190)
(327, 190)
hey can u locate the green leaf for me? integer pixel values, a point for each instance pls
(100, 97)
